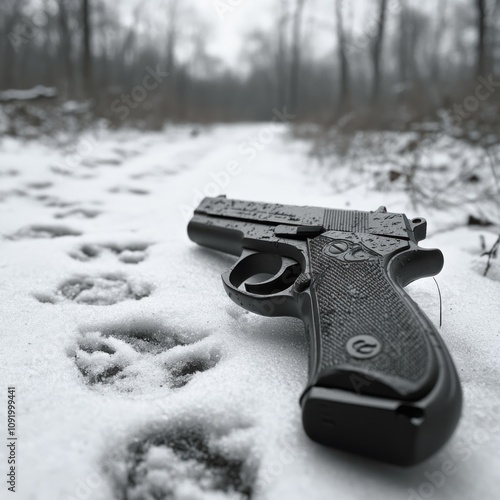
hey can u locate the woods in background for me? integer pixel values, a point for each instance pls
(394, 63)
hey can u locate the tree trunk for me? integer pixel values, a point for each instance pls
(377, 51)
(169, 87)
(12, 45)
(87, 53)
(281, 57)
(295, 62)
(65, 45)
(344, 92)
(481, 32)
(171, 35)
(436, 69)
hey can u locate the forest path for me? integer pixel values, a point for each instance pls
(135, 372)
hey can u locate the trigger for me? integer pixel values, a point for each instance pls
(282, 280)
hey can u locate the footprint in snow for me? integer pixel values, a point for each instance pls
(129, 253)
(156, 172)
(62, 170)
(96, 162)
(9, 173)
(131, 190)
(12, 193)
(141, 357)
(186, 460)
(99, 290)
(86, 213)
(124, 153)
(53, 201)
(39, 185)
(44, 231)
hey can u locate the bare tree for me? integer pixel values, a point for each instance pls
(481, 35)
(65, 47)
(169, 87)
(12, 39)
(411, 28)
(281, 52)
(49, 44)
(87, 48)
(495, 35)
(377, 50)
(172, 12)
(295, 62)
(87, 51)
(434, 55)
(344, 92)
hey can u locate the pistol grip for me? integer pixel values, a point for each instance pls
(377, 364)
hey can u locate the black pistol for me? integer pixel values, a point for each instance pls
(381, 382)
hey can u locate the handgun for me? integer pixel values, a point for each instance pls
(381, 382)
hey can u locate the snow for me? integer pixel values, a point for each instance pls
(27, 94)
(127, 354)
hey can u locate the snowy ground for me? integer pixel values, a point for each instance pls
(135, 373)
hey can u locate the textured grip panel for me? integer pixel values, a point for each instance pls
(370, 337)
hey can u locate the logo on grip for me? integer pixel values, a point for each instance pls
(348, 251)
(363, 346)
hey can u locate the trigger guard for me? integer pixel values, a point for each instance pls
(252, 263)
(281, 302)
(282, 280)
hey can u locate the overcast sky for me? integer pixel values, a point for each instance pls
(230, 20)
(230, 23)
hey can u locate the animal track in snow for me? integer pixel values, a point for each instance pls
(141, 357)
(187, 461)
(129, 253)
(100, 290)
(44, 231)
